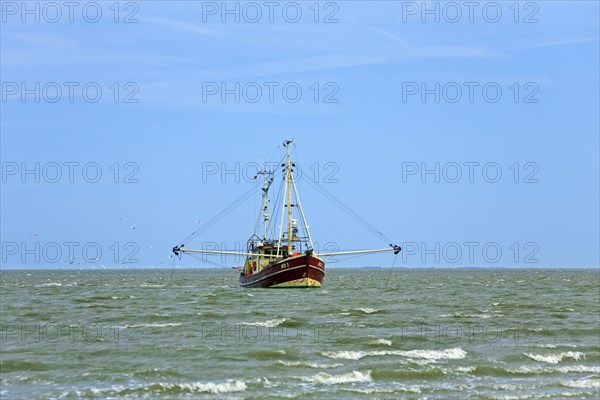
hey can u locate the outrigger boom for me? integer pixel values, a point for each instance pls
(395, 249)
(177, 250)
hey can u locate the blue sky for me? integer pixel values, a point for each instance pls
(368, 127)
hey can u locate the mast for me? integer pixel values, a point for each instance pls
(303, 216)
(281, 225)
(288, 182)
(265, 199)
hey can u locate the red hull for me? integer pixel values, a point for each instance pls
(300, 271)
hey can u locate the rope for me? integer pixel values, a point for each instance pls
(199, 257)
(390, 273)
(172, 269)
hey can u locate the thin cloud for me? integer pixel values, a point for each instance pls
(437, 51)
(175, 23)
(557, 43)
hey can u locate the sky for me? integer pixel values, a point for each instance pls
(468, 133)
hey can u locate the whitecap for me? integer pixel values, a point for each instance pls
(308, 364)
(206, 387)
(448, 354)
(211, 387)
(544, 346)
(345, 354)
(595, 369)
(382, 341)
(582, 384)
(351, 377)
(409, 389)
(368, 310)
(511, 397)
(155, 325)
(461, 315)
(464, 369)
(555, 358)
(527, 370)
(272, 323)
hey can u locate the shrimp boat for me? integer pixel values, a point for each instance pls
(288, 260)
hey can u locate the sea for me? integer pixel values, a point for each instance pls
(366, 334)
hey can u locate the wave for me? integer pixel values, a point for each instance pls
(155, 325)
(347, 355)
(368, 310)
(93, 299)
(156, 373)
(381, 341)
(461, 315)
(272, 323)
(161, 389)
(536, 369)
(409, 389)
(465, 370)
(308, 364)
(266, 354)
(410, 373)
(564, 369)
(555, 358)
(19, 365)
(351, 377)
(448, 354)
(582, 384)
(579, 368)
(210, 387)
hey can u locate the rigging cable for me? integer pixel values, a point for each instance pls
(222, 213)
(234, 204)
(278, 198)
(344, 207)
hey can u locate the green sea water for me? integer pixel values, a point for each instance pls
(424, 334)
